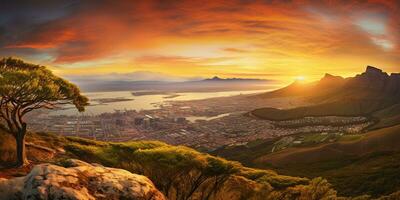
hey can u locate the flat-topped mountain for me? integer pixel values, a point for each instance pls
(374, 79)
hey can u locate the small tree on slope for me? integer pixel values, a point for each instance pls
(26, 87)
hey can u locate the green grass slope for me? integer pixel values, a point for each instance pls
(183, 173)
(365, 107)
(366, 165)
(388, 117)
(179, 172)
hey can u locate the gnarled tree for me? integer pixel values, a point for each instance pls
(27, 87)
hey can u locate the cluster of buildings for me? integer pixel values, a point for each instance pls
(174, 124)
(118, 126)
(323, 120)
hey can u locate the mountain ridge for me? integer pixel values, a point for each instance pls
(368, 92)
(209, 84)
(217, 78)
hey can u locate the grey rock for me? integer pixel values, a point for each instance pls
(81, 181)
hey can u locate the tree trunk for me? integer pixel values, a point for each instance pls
(21, 154)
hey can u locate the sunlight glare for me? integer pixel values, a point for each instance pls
(300, 78)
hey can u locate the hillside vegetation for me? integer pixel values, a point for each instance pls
(365, 165)
(342, 108)
(183, 173)
(387, 117)
(179, 172)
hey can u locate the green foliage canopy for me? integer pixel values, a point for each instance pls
(25, 87)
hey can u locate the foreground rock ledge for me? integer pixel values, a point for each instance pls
(80, 181)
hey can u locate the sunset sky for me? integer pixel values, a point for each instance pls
(278, 40)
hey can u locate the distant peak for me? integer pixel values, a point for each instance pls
(331, 77)
(371, 69)
(374, 72)
(328, 75)
(215, 78)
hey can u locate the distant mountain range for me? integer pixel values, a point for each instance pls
(216, 78)
(203, 85)
(364, 94)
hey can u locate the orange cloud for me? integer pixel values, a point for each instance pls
(216, 37)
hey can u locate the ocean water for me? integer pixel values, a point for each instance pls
(144, 102)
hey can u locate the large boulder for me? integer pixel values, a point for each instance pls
(79, 181)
